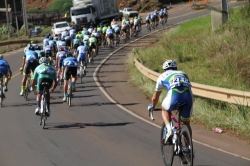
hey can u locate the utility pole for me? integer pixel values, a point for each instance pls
(17, 27)
(25, 18)
(7, 17)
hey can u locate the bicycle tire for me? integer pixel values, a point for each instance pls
(69, 95)
(1, 102)
(92, 61)
(184, 154)
(167, 151)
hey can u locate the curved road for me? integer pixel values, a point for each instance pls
(94, 131)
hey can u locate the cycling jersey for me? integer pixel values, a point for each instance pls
(109, 31)
(82, 53)
(72, 33)
(179, 91)
(92, 40)
(96, 34)
(30, 56)
(4, 67)
(104, 29)
(70, 62)
(44, 71)
(47, 49)
(76, 41)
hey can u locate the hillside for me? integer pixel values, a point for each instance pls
(141, 5)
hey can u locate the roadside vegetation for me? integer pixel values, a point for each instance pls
(218, 58)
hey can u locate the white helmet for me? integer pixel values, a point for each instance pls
(1, 56)
(168, 64)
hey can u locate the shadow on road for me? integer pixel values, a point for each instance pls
(63, 126)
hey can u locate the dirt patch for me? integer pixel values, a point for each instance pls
(38, 4)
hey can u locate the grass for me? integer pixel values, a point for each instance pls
(218, 58)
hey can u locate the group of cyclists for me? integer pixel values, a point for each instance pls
(153, 19)
(59, 56)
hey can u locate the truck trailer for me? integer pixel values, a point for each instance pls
(92, 12)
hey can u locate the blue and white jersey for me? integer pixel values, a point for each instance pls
(161, 13)
(109, 31)
(30, 55)
(4, 66)
(67, 38)
(61, 55)
(72, 33)
(64, 33)
(148, 18)
(82, 50)
(45, 40)
(47, 49)
(51, 43)
(70, 62)
(152, 16)
(58, 43)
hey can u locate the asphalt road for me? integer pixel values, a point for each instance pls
(95, 130)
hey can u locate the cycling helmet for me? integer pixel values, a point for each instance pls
(169, 64)
(92, 35)
(32, 42)
(31, 48)
(69, 55)
(43, 60)
(50, 38)
(1, 56)
(42, 53)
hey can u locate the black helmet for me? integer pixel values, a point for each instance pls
(69, 54)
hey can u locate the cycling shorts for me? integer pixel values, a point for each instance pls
(40, 87)
(68, 42)
(70, 71)
(82, 57)
(179, 95)
(110, 36)
(30, 65)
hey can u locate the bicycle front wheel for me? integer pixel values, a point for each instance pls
(186, 147)
(167, 150)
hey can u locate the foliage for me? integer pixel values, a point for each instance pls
(62, 5)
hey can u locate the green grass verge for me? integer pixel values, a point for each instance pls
(218, 58)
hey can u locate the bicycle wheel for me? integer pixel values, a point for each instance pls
(186, 147)
(1, 97)
(69, 95)
(167, 150)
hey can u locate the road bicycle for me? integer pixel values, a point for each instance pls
(27, 87)
(69, 93)
(43, 104)
(2, 96)
(82, 72)
(181, 144)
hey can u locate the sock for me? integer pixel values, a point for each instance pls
(65, 95)
(38, 103)
(22, 88)
(168, 126)
(48, 105)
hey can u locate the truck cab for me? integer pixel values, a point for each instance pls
(82, 15)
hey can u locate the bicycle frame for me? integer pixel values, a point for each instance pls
(1, 90)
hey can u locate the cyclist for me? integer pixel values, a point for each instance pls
(82, 55)
(110, 36)
(43, 73)
(92, 44)
(61, 54)
(6, 71)
(30, 60)
(179, 91)
(76, 43)
(69, 70)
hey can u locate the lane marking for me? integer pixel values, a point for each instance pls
(101, 87)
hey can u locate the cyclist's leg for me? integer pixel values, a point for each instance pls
(26, 71)
(73, 71)
(66, 79)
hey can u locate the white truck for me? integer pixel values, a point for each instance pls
(129, 12)
(87, 12)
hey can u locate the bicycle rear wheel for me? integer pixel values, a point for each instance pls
(1, 95)
(69, 95)
(167, 150)
(186, 147)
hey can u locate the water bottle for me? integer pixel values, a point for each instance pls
(150, 106)
(218, 130)
(174, 139)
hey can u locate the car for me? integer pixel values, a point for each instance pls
(129, 12)
(59, 27)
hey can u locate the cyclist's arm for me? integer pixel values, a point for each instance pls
(155, 98)
(10, 73)
(34, 79)
(24, 59)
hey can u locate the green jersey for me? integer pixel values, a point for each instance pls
(76, 41)
(44, 71)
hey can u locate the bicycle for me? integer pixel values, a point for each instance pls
(181, 144)
(27, 87)
(69, 93)
(82, 72)
(43, 104)
(2, 96)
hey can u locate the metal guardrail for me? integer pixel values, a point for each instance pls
(10, 42)
(206, 91)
